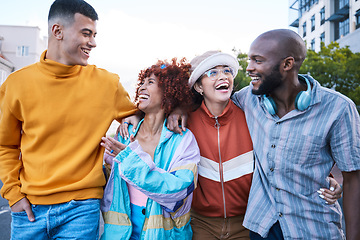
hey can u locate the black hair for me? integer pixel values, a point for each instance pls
(67, 8)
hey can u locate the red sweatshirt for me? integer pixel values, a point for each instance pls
(226, 164)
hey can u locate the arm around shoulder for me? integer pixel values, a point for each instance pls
(123, 105)
(239, 97)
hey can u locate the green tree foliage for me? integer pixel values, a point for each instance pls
(242, 79)
(336, 68)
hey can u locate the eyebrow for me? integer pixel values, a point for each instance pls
(88, 30)
(256, 56)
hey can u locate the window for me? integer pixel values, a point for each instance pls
(304, 29)
(22, 51)
(313, 22)
(312, 44)
(305, 5)
(357, 17)
(342, 29)
(322, 16)
(322, 37)
(343, 3)
(339, 4)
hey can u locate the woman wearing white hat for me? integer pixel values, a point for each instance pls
(227, 161)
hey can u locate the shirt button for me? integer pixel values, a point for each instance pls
(273, 146)
(277, 123)
(143, 211)
(280, 215)
(277, 189)
(271, 169)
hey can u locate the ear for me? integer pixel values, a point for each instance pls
(288, 63)
(57, 31)
(198, 88)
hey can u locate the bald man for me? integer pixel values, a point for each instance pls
(299, 130)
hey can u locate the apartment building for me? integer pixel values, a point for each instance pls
(19, 46)
(327, 21)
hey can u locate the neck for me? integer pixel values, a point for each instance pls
(153, 123)
(52, 51)
(285, 95)
(216, 108)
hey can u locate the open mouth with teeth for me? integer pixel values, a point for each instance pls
(143, 97)
(255, 78)
(222, 86)
(86, 51)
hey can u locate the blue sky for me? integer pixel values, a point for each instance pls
(133, 34)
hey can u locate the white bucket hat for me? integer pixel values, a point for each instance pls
(209, 60)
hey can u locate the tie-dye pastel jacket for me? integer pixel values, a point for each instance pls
(168, 180)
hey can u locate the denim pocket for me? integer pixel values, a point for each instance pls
(20, 214)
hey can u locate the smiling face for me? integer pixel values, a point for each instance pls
(264, 66)
(77, 40)
(150, 95)
(218, 89)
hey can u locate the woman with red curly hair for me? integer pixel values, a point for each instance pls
(154, 172)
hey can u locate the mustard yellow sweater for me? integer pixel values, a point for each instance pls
(56, 115)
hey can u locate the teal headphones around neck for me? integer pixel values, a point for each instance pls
(302, 100)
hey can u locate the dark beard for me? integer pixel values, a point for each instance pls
(270, 82)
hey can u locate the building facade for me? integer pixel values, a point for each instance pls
(327, 21)
(6, 67)
(19, 46)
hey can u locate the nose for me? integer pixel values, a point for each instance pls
(222, 75)
(142, 87)
(250, 67)
(92, 42)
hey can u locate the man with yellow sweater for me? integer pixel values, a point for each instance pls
(52, 117)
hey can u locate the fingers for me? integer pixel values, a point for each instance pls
(183, 122)
(112, 146)
(338, 190)
(107, 144)
(177, 129)
(123, 128)
(24, 205)
(29, 213)
(329, 196)
(335, 186)
(173, 123)
(124, 132)
(116, 144)
(134, 121)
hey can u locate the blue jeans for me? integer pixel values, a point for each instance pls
(70, 220)
(275, 233)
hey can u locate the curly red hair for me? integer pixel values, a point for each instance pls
(173, 81)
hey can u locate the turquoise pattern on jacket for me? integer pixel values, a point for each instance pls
(168, 180)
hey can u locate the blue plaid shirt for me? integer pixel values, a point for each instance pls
(294, 156)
